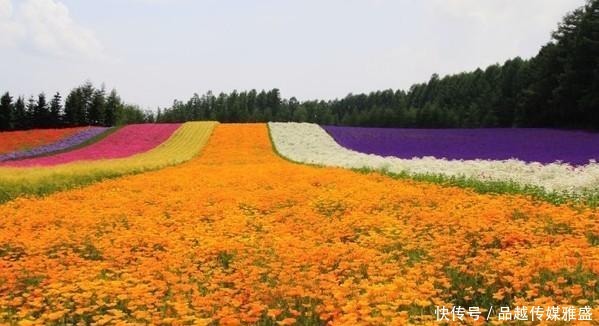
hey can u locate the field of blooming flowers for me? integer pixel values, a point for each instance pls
(238, 235)
(127, 141)
(185, 143)
(67, 143)
(309, 143)
(22, 140)
(528, 145)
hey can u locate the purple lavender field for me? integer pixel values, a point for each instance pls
(75, 140)
(530, 145)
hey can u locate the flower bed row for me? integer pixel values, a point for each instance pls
(309, 143)
(63, 144)
(127, 141)
(182, 145)
(525, 144)
(12, 141)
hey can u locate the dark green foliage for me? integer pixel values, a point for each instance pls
(235, 107)
(593, 239)
(580, 276)
(84, 105)
(20, 119)
(330, 208)
(89, 251)
(112, 109)
(73, 107)
(565, 75)
(462, 281)
(30, 115)
(6, 112)
(56, 110)
(78, 105)
(133, 114)
(97, 108)
(41, 113)
(10, 252)
(225, 259)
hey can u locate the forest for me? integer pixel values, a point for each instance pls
(85, 105)
(557, 88)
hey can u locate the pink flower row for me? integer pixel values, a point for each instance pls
(127, 141)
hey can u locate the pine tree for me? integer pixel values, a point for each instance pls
(112, 108)
(20, 118)
(96, 113)
(6, 112)
(159, 115)
(56, 110)
(73, 107)
(30, 113)
(87, 97)
(41, 112)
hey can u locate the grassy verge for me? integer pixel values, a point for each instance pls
(497, 187)
(183, 145)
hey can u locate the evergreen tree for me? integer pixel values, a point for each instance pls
(87, 98)
(133, 114)
(158, 115)
(6, 112)
(112, 108)
(20, 118)
(41, 112)
(30, 112)
(73, 108)
(56, 110)
(96, 113)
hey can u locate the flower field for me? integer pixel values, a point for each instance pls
(185, 143)
(238, 235)
(76, 139)
(529, 145)
(22, 140)
(127, 141)
(309, 143)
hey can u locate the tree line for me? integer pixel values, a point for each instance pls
(84, 105)
(559, 87)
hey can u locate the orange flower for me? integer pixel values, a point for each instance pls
(19, 140)
(239, 235)
(273, 313)
(287, 321)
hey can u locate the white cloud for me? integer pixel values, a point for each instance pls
(46, 26)
(495, 30)
(10, 31)
(5, 9)
(514, 14)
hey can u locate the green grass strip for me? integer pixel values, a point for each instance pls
(185, 143)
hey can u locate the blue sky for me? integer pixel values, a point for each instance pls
(154, 51)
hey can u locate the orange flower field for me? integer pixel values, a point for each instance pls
(240, 236)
